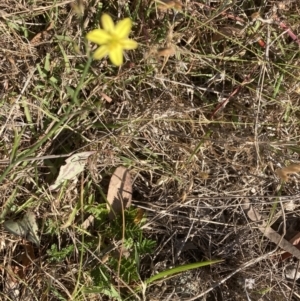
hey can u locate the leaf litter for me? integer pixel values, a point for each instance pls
(119, 193)
(74, 166)
(284, 173)
(26, 228)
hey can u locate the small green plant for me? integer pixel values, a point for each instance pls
(56, 255)
(121, 263)
(125, 260)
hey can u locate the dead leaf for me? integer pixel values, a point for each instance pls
(26, 227)
(294, 241)
(119, 192)
(42, 36)
(267, 231)
(78, 7)
(252, 214)
(74, 165)
(139, 216)
(167, 4)
(88, 222)
(227, 31)
(167, 51)
(283, 173)
(203, 175)
(291, 272)
(255, 16)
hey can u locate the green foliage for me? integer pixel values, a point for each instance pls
(100, 212)
(103, 284)
(57, 295)
(56, 255)
(134, 244)
(145, 246)
(128, 268)
(52, 227)
(125, 265)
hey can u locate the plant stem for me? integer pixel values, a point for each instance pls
(81, 82)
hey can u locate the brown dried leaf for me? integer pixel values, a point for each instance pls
(255, 16)
(139, 216)
(283, 173)
(167, 51)
(204, 175)
(167, 4)
(268, 232)
(294, 241)
(119, 192)
(227, 31)
(42, 36)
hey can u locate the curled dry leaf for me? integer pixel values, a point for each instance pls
(74, 165)
(283, 173)
(119, 192)
(26, 227)
(291, 272)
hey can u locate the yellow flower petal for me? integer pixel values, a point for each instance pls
(107, 23)
(98, 36)
(101, 52)
(128, 44)
(123, 28)
(116, 55)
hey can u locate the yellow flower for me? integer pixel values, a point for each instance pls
(112, 38)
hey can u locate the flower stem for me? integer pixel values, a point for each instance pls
(81, 82)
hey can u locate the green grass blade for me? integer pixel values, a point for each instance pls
(180, 269)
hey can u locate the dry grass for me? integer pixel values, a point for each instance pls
(193, 164)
